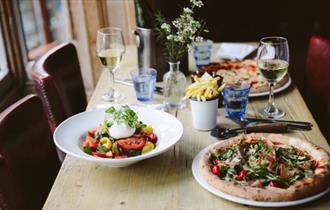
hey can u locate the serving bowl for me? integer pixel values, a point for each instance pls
(70, 134)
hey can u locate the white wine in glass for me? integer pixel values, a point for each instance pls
(110, 58)
(273, 62)
(110, 49)
(273, 69)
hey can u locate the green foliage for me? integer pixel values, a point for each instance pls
(122, 115)
(179, 34)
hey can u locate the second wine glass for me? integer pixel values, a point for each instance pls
(110, 49)
(273, 62)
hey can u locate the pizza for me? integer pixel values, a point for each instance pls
(267, 167)
(247, 70)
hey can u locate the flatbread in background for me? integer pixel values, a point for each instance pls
(246, 70)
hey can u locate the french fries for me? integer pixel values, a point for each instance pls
(204, 88)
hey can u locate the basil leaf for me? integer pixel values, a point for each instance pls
(223, 170)
(263, 147)
(102, 148)
(98, 135)
(132, 152)
(124, 114)
(308, 174)
(88, 150)
(229, 153)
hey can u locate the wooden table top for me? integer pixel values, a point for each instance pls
(164, 181)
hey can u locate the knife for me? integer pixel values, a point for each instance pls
(158, 90)
(224, 133)
(290, 124)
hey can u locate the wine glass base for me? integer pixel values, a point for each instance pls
(275, 114)
(115, 97)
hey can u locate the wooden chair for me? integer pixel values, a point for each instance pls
(317, 75)
(28, 160)
(58, 82)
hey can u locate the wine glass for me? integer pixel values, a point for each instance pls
(273, 62)
(110, 48)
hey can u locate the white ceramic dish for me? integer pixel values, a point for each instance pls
(69, 135)
(208, 187)
(266, 93)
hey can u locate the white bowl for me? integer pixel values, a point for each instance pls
(70, 134)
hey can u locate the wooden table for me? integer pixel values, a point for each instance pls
(165, 181)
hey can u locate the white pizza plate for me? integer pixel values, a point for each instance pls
(266, 93)
(208, 187)
(69, 135)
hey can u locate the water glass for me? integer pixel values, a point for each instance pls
(144, 81)
(202, 52)
(236, 97)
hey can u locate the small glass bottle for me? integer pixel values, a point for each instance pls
(175, 84)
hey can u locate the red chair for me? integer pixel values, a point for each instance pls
(28, 160)
(58, 82)
(318, 81)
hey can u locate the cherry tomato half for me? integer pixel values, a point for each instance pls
(273, 184)
(152, 137)
(121, 156)
(92, 132)
(242, 174)
(253, 83)
(215, 170)
(99, 154)
(132, 143)
(90, 142)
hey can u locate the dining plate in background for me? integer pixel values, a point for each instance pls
(276, 90)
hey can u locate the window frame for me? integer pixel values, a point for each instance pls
(12, 84)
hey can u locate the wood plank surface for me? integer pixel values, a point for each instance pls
(165, 181)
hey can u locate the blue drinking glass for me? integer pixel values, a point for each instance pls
(202, 52)
(236, 98)
(144, 81)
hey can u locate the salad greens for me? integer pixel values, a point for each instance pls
(100, 143)
(123, 114)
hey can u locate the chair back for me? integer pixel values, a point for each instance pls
(318, 66)
(58, 81)
(28, 160)
(317, 76)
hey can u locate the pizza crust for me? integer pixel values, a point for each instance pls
(300, 189)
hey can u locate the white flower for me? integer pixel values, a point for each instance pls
(187, 10)
(170, 37)
(197, 3)
(198, 39)
(179, 38)
(166, 27)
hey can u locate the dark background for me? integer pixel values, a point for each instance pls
(250, 20)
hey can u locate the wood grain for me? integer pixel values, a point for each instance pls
(165, 181)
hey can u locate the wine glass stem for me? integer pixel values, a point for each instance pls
(271, 102)
(112, 83)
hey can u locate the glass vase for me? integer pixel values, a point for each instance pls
(175, 84)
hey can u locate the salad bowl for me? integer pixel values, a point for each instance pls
(70, 134)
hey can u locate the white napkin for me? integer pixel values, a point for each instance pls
(234, 50)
